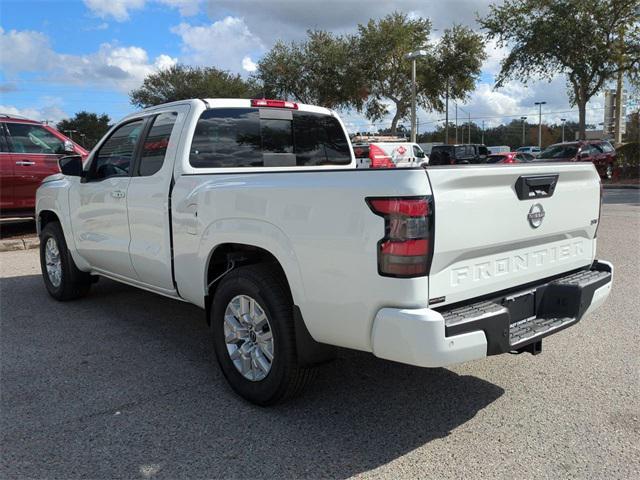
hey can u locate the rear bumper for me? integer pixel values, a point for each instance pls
(430, 338)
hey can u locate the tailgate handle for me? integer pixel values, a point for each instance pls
(536, 186)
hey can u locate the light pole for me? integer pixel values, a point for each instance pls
(563, 120)
(70, 133)
(482, 142)
(523, 137)
(446, 114)
(413, 56)
(539, 104)
(456, 123)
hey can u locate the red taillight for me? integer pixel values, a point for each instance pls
(263, 102)
(379, 159)
(405, 250)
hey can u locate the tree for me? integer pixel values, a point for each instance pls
(589, 41)
(321, 70)
(181, 82)
(369, 71)
(88, 127)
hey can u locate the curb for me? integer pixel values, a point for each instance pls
(622, 186)
(11, 245)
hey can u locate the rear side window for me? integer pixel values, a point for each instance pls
(250, 137)
(496, 158)
(361, 151)
(606, 147)
(155, 145)
(29, 138)
(319, 140)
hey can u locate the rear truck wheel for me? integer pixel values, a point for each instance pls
(254, 338)
(61, 276)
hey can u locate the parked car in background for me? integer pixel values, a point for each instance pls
(599, 152)
(426, 147)
(390, 155)
(530, 150)
(29, 152)
(458, 154)
(499, 149)
(509, 157)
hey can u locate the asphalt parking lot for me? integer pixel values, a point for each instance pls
(123, 384)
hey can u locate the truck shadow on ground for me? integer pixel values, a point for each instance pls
(124, 384)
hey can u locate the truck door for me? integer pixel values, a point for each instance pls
(98, 204)
(148, 199)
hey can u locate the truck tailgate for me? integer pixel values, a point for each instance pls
(487, 239)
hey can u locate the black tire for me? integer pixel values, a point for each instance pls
(286, 378)
(73, 283)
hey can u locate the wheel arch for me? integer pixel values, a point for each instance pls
(228, 256)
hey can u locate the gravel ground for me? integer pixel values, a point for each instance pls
(123, 384)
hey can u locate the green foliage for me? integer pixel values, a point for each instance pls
(321, 70)
(370, 72)
(181, 82)
(589, 41)
(507, 134)
(383, 46)
(629, 157)
(91, 125)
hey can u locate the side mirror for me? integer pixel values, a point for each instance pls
(71, 165)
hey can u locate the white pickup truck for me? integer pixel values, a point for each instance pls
(254, 211)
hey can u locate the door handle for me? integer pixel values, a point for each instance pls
(117, 194)
(25, 163)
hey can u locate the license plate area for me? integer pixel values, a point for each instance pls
(521, 306)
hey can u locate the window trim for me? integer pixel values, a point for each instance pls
(9, 140)
(90, 167)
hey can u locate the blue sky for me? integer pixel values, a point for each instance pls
(62, 56)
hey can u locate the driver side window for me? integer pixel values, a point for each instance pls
(115, 157)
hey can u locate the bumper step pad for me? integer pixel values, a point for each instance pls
(534, 327)
(556, 305)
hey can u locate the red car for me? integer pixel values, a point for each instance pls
(29, 152)
(598, 152)
(509, 157)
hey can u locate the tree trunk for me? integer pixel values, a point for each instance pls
(394, 122)
(582, 114)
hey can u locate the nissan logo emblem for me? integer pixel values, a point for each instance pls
(535, 215)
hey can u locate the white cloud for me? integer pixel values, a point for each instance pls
(24, 51)
(116, 9)
(248, 64)
(51, 112)
(120, 10)
(494, 56)
(185, 7)
(123, 68)
(119, 67)
(223, 44)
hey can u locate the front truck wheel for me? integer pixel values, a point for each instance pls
(61, 276)
(254, 336)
